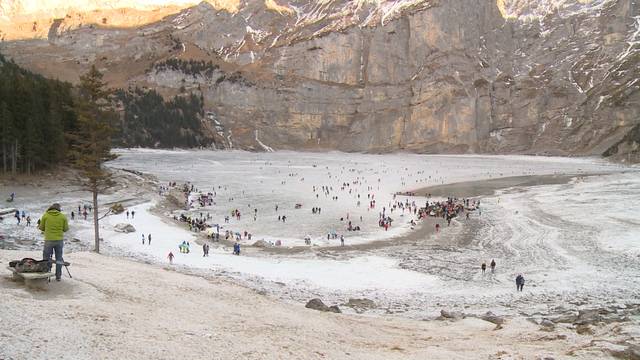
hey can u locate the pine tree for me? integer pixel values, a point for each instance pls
(91, 142)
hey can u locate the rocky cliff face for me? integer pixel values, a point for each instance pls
(506, 76)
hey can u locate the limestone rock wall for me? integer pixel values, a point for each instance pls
(466, 76)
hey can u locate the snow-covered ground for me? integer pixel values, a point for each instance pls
(351, 274)
(575, 243)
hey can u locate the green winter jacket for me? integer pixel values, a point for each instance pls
(54, 224)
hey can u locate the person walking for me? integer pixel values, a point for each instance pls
(54, 224)
(149, 238)
(483, 267)
(519, 282)
(493, 266)
(170, 257)
(142, 239)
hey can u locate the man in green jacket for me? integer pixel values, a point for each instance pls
(54, 224)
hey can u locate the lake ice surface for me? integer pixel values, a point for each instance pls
(571, 241)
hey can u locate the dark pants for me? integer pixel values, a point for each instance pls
(49, 248)
(519, 287)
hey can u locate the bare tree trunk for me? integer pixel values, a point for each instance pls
(14, 153)
(4, 157)
(96, 227)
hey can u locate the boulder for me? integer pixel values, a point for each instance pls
(317, 304)
(492, 318)
(124, 228)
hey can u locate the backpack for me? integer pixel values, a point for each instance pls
(29, 265)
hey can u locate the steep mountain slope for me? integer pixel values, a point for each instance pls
(504, 76)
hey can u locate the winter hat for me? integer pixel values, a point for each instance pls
(55, 206)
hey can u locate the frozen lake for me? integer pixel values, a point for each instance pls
(260, 181)
(576, 242)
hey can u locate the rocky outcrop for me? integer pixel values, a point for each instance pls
(468, 76)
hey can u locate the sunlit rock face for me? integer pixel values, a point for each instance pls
(506, 76)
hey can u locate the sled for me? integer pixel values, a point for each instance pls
(7, 211)
(36, 280)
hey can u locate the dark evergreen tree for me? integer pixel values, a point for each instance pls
(35, 114)
(91, 146)
(150, 121)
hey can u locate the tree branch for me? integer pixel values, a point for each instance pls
(105, 215)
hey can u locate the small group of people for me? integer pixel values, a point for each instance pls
(132, 213)
(519, 282)
(492, 265)
(184, 247)
(22, 216)
(483, 267)
(148, 238)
